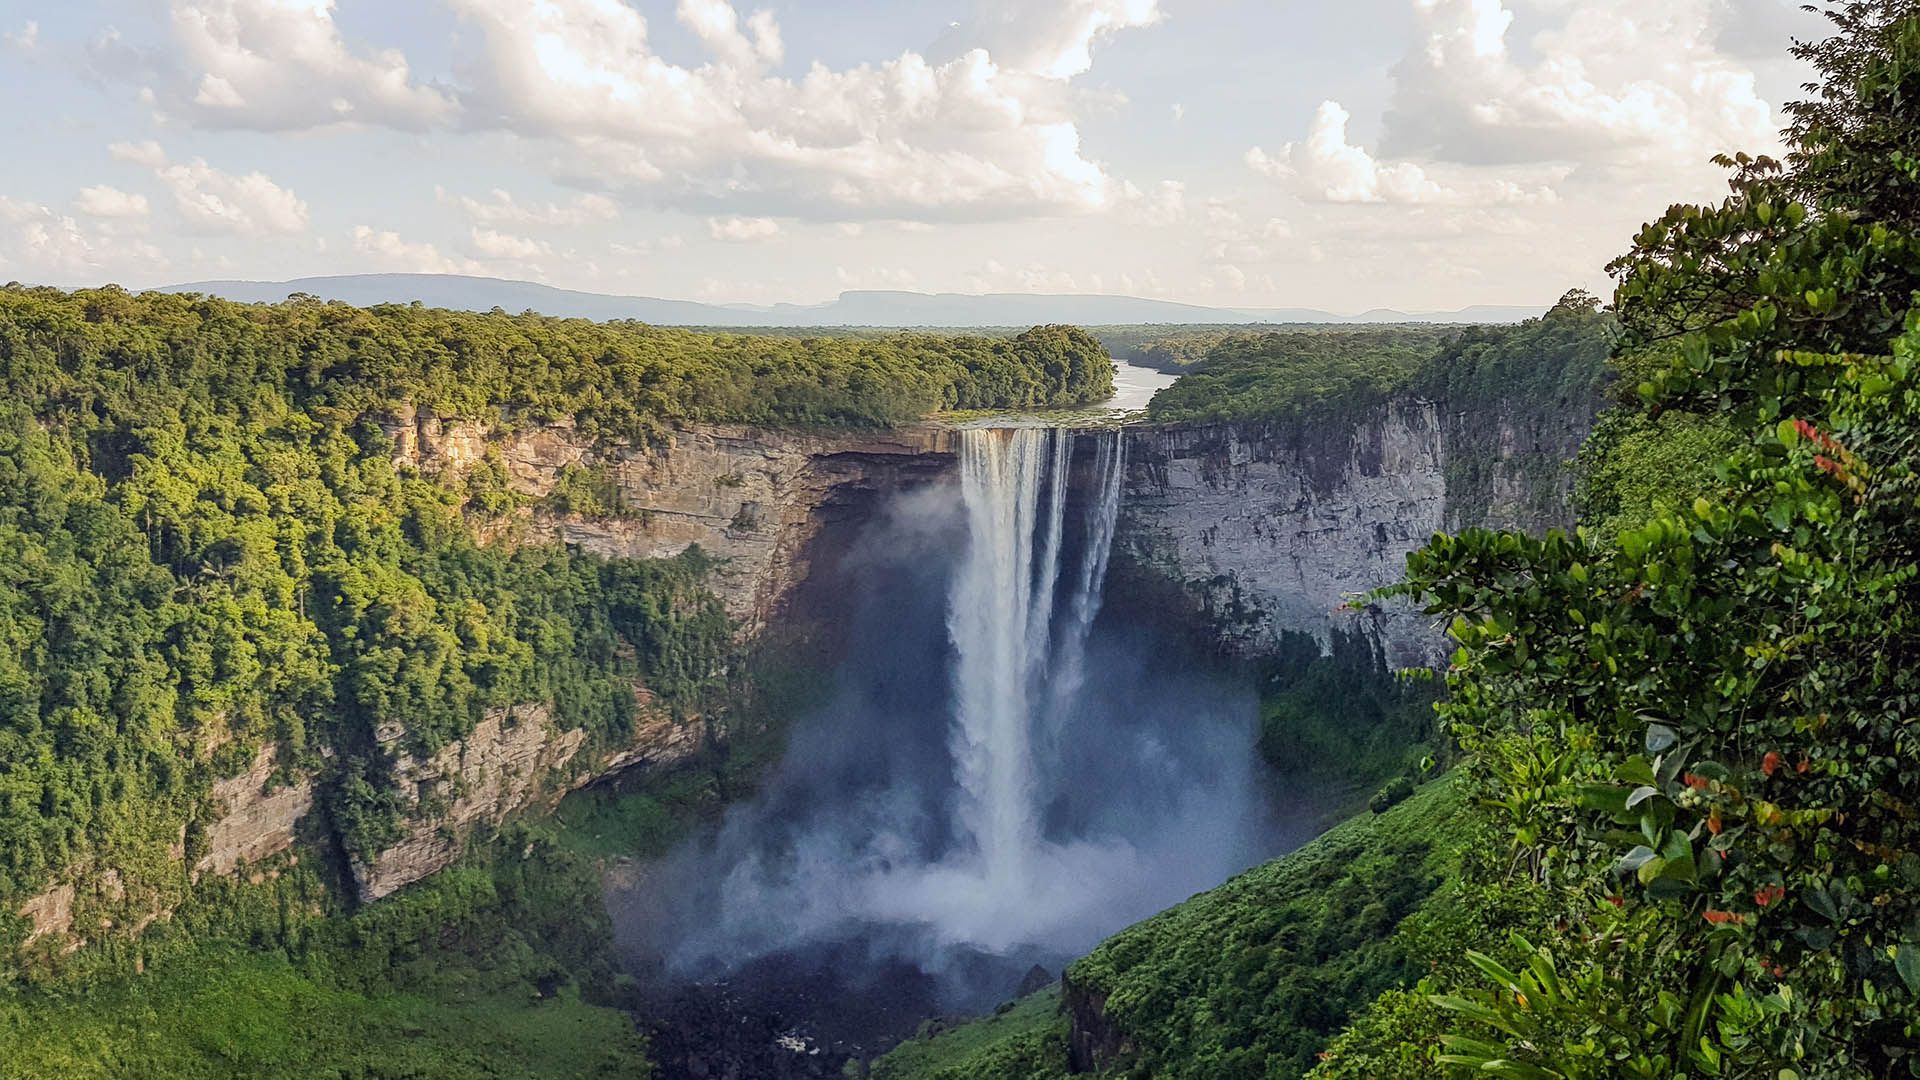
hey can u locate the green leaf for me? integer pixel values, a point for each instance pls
(1906, 960)
(1520, 1070)
(1787, 433)
(1635, 770)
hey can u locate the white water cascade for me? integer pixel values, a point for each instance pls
(1015, 669)
(996, 776)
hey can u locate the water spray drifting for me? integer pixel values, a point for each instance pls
(1002, 774)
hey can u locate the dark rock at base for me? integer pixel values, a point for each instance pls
(703, 1035)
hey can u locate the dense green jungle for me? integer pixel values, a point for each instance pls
(1656, 817)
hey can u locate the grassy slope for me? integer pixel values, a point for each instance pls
(1027, 1041)
(1246, 980)
(224, 1014)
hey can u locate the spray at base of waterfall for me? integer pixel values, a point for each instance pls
(1001, 773)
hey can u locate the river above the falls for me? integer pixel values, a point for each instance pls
(1134, 386)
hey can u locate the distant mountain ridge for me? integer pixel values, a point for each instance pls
(861, 308)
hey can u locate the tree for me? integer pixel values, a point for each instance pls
(1697, 735)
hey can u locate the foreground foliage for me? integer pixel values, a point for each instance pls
(1696, 735)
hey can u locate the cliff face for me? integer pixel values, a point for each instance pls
(514, 760)
(1274, 526)
(758, 500)
(754, 498)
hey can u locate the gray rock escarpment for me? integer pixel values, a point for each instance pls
(255, 822)
(754, 498)
(1276, 526)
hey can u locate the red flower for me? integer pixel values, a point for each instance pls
(1806, 430)
(1767, 895)
(1804, 765)
(1770, 763)
(1616, 901)
(1718, 918)
(1698, 783)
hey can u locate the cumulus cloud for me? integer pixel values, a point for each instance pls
(110, 202)
(977, 135)
(981, 128)
(1327, 167)
(208, 198)
(393, 252)
(739, 230)
(1166, 204)
(1051, 40)
(275, 65)
(500, 208)
(499, 245)
(54, 245)
(26, 38)
(211, 199)
(1618, 84)
(149, 153)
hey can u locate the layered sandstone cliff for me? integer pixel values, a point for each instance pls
(756, 499)
(1276, 526)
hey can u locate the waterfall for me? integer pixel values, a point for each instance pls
(994, 776)
(1015, 671)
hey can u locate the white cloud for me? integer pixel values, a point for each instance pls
(57, 244)
(498, 245)
(211, 199)
(52, 245)
(1327, 167)
(1231, 242)
(395, 253)
(1618, 84)
(740, 230)
(965, 137)
(273, 65)
(111, 202)
(208, 198)
(1054, 39)
(986, 133)
(147, 153)
(26, 38)
(716, 24)
(502, 209)
(1165, 205)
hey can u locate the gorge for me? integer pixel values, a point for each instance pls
(1035, 661)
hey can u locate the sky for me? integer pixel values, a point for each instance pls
(1345, 155)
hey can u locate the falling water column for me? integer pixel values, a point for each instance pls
(990, 612)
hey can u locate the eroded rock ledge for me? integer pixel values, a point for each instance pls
(755, 498)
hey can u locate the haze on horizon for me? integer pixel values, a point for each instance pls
(1414, 154)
